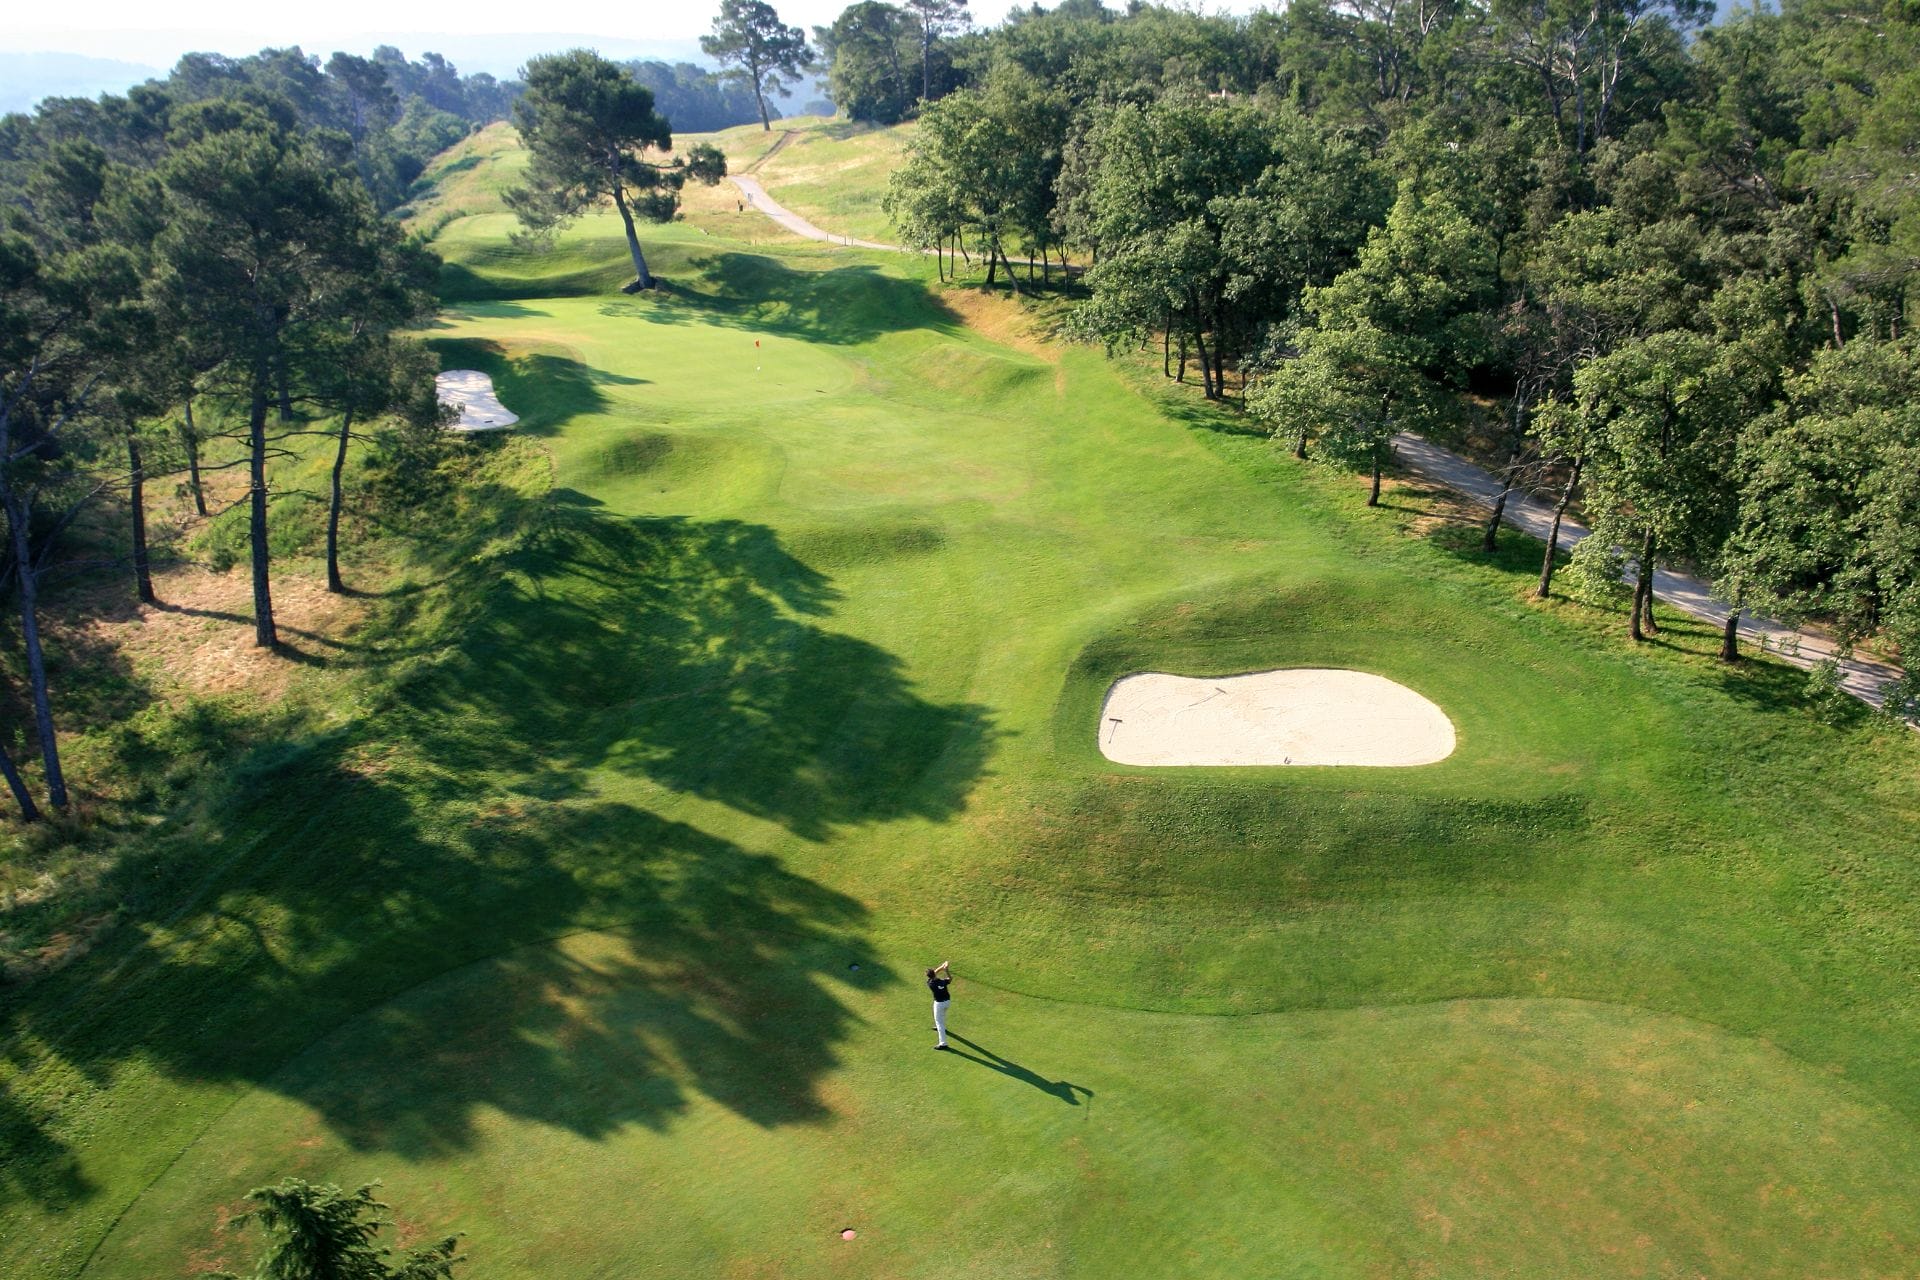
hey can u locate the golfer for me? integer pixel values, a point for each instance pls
(938, 979)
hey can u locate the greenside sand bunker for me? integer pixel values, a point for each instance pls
(1301, 716)
(471, 392)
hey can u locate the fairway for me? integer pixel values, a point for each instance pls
(600, 939)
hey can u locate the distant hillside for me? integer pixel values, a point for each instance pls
(673, 68)
(26, 78)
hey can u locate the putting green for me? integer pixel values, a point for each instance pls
(598, 937)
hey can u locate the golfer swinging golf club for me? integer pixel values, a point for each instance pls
(938, 979)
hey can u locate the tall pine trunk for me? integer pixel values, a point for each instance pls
(1207, 379)
(29, 811)
(190, 437)
(265, 635)
(1380, 446)
(137, 503)
(642, 278)
(1638, 624)
(1490, 540)
(18, 515)
(1553, 535)
(334, 584)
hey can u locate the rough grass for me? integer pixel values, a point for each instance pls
(599, 937)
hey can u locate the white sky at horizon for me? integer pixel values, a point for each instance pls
(127, 30)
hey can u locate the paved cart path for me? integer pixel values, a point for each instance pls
(757, 197)
(1865, 678)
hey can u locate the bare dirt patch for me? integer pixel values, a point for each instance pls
(199, 639)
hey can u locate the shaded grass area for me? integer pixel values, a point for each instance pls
(159, 706)
(729, 687)
(353, 860)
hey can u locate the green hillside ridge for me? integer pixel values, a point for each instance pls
(598, 936)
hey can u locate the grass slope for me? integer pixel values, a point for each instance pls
(599, 937)
(831, 172)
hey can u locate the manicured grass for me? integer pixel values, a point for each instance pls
(598, 937)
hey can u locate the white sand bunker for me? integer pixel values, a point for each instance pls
(471, 391)
(1301, 716)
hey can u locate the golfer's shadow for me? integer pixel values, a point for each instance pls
(1061, 1089)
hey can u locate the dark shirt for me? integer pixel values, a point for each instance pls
(939, 988)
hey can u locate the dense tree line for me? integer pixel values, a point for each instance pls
(180, 266)
(1667, 262)
(694, 99)
(394, 113)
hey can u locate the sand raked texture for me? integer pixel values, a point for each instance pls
(1301, 716)
(471, 391)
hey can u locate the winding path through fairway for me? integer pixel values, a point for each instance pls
(757, 197)
(1865, 678)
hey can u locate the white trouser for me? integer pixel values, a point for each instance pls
(940, 1018)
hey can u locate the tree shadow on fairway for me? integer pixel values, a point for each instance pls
(489, 309)
(838, 305)
(39, 1167)
(725, 980)
(1187, 408)
(462, 286)
(419, 939)
(1067, 1092)
(688, 652)
(365, 919)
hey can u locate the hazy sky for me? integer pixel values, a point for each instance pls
(131, 30)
